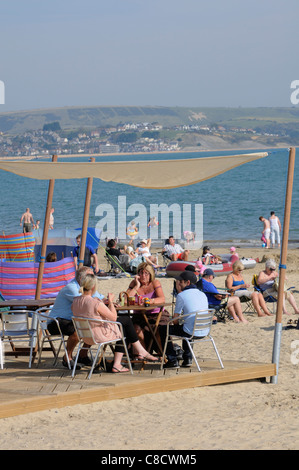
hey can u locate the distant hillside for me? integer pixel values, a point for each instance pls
(100, 116)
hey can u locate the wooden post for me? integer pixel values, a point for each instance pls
(45, 236)
(85, 219)
(283, 260)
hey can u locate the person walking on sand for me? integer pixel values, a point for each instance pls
(266, 230)
(275, 228)
(27, 220)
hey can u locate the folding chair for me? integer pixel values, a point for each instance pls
(268, 298)
(202, 321)
(18, 326)
(221, 311)
(42, 315)
(249, 305)
(84, 332)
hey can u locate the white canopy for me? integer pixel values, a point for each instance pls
(151, 174)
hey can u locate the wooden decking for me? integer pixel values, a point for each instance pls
(24, 390)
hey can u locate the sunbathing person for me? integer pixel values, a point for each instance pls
(174, 251)
(237, 286)
(144, 250)
(90, 307)
(266, 281)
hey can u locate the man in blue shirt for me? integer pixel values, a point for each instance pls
(214, 298)
(189, 299)
(61, 310)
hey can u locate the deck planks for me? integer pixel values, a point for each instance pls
(24, 390)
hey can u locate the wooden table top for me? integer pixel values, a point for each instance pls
(28, 303)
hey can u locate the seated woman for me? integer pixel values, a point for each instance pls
(266, 280)
(208, 257)
(144, 250)
(145, 284)
(91, 307)
(236, 284)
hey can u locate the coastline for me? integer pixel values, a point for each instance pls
(164, 152)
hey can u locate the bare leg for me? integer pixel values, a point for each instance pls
(262, 303)
(292, 301)
(235, 309)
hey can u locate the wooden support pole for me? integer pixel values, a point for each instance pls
(45, 236)
(85, 219)
(283, 260)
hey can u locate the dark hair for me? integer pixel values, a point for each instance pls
(51, 257)
(111, 243)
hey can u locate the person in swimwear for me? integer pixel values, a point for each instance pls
(266, 230)
(27, 219)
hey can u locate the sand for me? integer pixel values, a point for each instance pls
(248, 415)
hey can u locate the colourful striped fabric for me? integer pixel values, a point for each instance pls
(17, 247)
(18, 280)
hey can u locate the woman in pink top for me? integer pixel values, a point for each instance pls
(145, 284)
(91, 307)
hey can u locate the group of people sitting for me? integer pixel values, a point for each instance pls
(81, 298)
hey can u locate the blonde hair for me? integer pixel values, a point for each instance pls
(147, 267)
(89, 282)
(238, 265)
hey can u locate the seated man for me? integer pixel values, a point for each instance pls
(111, 248)
(189, 299)
(61, 310)
(174, 251)
(214, 297)
(90, 256)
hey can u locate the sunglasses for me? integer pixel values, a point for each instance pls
(272, 269)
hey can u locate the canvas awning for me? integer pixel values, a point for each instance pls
(150, 174)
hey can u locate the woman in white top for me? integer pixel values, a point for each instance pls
(275, 228)
(144, 250)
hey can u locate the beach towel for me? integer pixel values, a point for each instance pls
(18, 280)
(18, 247)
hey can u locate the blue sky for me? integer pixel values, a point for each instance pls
(155, 52)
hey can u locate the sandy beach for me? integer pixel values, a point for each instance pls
(250, 415)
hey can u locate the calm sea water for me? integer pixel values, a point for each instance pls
(232, 202)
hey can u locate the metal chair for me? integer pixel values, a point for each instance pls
(42, 315)
(18, 326)
(85, 332)
(202, 321)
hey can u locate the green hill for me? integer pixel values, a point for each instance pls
(100, 116)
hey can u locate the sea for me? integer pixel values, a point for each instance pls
(231, 203)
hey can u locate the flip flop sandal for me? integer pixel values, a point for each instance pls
(115, 370)
(146, 358)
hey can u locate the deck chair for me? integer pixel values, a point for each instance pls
(18, 326)
(221, 311)
(116, 265)
(42, 315)
(268, 298)
(84, 331)
(202, 321)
